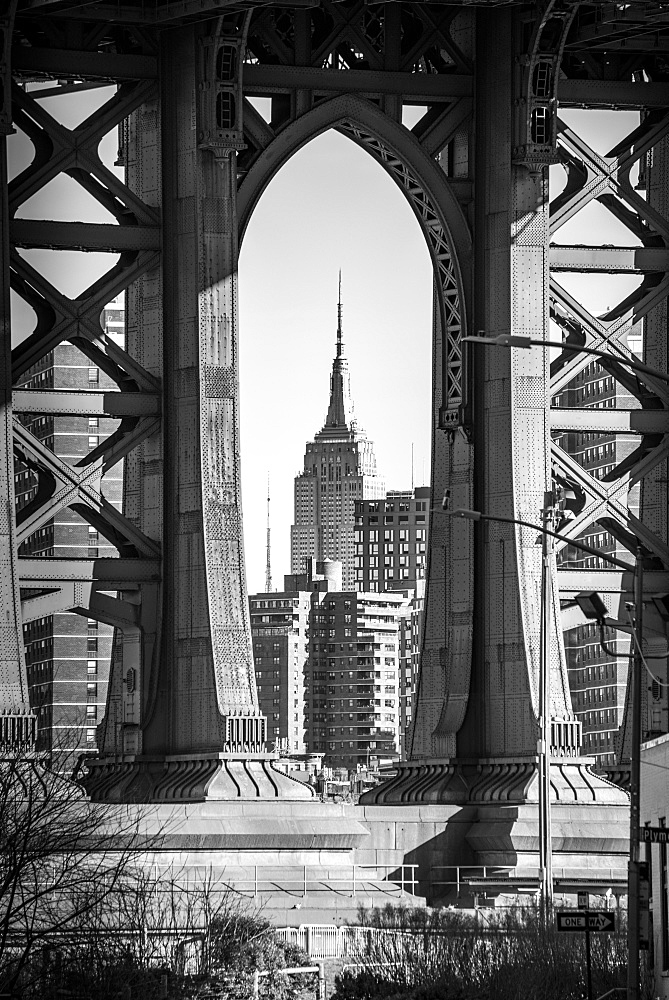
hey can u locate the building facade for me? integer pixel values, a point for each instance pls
(334, 667)
(339, 469)
(391, 544)
(280, 634)
(391, 536)
(280, 631)
(354, 683)
(67, 655)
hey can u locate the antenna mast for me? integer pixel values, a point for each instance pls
(340, 332)
(268, 564)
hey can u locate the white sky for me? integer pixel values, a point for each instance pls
(330, 207)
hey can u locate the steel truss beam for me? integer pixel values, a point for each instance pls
(656, 583)
(82, 64)
(421, 87)
(82, 403)
(613, 94)
(108, 574)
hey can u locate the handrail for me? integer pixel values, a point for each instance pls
(263, 879)
(464, 875)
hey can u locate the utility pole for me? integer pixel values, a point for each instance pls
(268, 562)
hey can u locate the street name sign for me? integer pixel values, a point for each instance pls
(575, 921)
(654, 834)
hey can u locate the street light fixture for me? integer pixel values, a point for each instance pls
(635, 751)
(517, 340)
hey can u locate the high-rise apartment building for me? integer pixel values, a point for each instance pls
(280, 630)
(597, 679)
(330, 667)
(67, 655)
(280, 634)
(339, 469)
(391, 541)
(354, 685)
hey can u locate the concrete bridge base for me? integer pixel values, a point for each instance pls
(295, 854)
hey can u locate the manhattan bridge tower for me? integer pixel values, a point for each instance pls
(497, 82)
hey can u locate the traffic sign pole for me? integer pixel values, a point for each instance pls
(576, 921)
(588, 955)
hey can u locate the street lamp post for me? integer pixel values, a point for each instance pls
(635, 789)
(545, 845)
(544, 756)
(517, 340)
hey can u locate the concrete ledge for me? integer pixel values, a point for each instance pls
(279, 834)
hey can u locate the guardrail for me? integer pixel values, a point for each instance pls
(344, 880)
(463, 876)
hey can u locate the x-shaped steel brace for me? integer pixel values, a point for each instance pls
(595, 175)
(346, 29)
(59, 149)
(603, 499)
(77, 490)
(78, 320)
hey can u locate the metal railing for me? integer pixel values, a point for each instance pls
(303, 880)
(321, 941)
(299, 971)
(463, 876)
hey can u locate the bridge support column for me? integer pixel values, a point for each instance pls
(202, 734)
(492, 770)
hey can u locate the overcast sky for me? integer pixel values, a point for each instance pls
(330, 207)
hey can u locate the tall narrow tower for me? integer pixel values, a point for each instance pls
(339, 468)
(268, 563)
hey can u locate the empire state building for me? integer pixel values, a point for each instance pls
(339, 468)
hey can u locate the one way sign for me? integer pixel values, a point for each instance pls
(597, 921)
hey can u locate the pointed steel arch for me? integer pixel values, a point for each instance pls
(447, 641)
(428, 192)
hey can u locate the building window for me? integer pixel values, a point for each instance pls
(93, 376)
(90, 736)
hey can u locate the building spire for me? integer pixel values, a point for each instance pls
(340, 410)
(268, 563)
(340, 332)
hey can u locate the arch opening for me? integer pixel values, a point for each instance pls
(330, 207)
